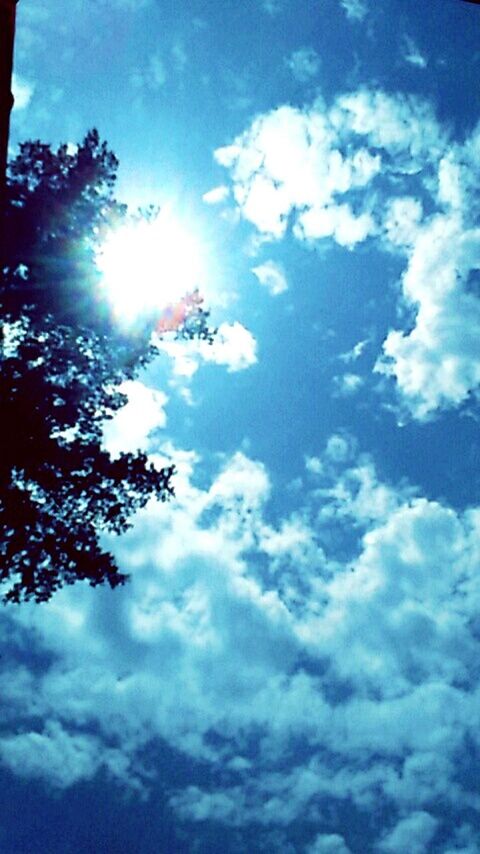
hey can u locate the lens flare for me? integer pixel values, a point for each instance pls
(149, 265)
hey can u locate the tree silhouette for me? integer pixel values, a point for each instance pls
(62, 360)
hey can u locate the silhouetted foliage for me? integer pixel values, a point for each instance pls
(62, 359)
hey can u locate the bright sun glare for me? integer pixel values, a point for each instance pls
(148, 265)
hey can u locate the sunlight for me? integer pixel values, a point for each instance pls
(148, 265)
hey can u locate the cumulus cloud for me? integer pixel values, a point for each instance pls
(413, 833)
(272, 277)
(379, 166)
(234, 347)
(240, 637)
(354, 491)
(437, 363)
(129, 429)
(402, 221)
(405, 126)
(289, 163)
(59, 757)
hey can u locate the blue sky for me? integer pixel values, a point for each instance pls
(294, 664)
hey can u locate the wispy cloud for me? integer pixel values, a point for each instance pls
(216, 195)
(304, 64)
(412, 54)
(152, 76)
(355, 9)
(356, 351)
(272, 7)
(179, 55)
(348, 384)
(271, 276)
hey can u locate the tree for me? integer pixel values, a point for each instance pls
(62, 360)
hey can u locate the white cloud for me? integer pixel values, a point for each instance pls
(304, 64)
(355, 353)
(314, 465)
(234, 347)
(59, 757)
(315, 171)
(405, 649)
(241, 481)
(437, 363)
(291, 163)
(293, 538)
(370, 663)
(405, 126)
(348, 384)
(128, 430)
(330, 843)
(412, 834)
(450, 190)
(336, 221)
(216, 195)
(288, 162)
(339, 448)
(355, 9)
(402, 221)
(272, 277)
(412, 54)
(356, 492)
(22, 92)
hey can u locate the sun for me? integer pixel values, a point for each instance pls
(149, 264)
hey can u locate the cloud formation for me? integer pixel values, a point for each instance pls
(357, 170)
(241, 637)
(216, 195)
(413, 55)
(152, 76)
(234, 346)
(129, 428)
(355, 9)
(272, 277)
(22, 92)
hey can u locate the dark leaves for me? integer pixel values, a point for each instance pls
(62, 360)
